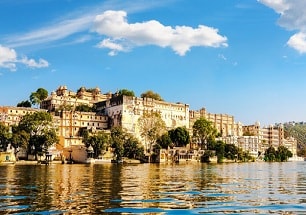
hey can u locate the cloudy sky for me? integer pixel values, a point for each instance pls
(245, 58)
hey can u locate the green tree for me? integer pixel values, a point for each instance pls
(99, 141)
(83, 132)
(270, 154)
(26, 103)
(152, 95)
(39, 126)
(65, 107)
(132, 148)
(207, 155)
(126, 92)
(219, 148)
(118, 137)
(283, 153)
(179, 136)
(203, 132)
(244, 155)
(89, 90)
(231, 151)
(20, 139)
(84, 108)
(38, 96)
(5, 136)
(164, 141)
(151, 127)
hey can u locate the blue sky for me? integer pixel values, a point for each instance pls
(245, 58)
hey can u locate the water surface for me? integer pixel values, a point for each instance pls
(237, 188)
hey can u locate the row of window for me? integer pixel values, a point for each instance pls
(89, 117)
(21, 111)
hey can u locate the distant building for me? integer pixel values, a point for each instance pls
(224, 123)
(291, 144)
(272, 135)
(250, 144)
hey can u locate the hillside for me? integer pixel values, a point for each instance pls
(298, 131)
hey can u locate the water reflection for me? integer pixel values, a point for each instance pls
(245, 188)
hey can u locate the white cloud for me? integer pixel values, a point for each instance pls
(9, 60)
(57, 31)
(75, 22)
(123, 36)
(221, 56)
(292, 17)
(113, 46)
(34, 64)
(298, 42)
(278, 5)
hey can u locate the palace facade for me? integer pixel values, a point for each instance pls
(119, 110)
(126, 110)
(63, 98)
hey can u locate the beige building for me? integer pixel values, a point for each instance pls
(70, 123)
(114, 110)
(256, 140)
(67, 123)
(126, 110)
(224, 123)
(291, 144)
(10, 115)
(63, 98)
(270, 136)
(249, 144)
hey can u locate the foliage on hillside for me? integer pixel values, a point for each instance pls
(152, 95)
(298, 131)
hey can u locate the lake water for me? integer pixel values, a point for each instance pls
(236, 188)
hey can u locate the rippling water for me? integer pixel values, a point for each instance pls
(237, 188)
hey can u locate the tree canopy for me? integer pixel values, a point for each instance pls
(132, 148)
(125, 145)
(126, 92)
(89, 90)
(281, 154)
(41, 132)
(151, 127)
(164, 141)
(99, 142)
(117, 141)
(20, 138)
(5, 136)
(38, 96)
(179, 136)
(25, 103)
(203, 132)
(84, 108)
(152, 95)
